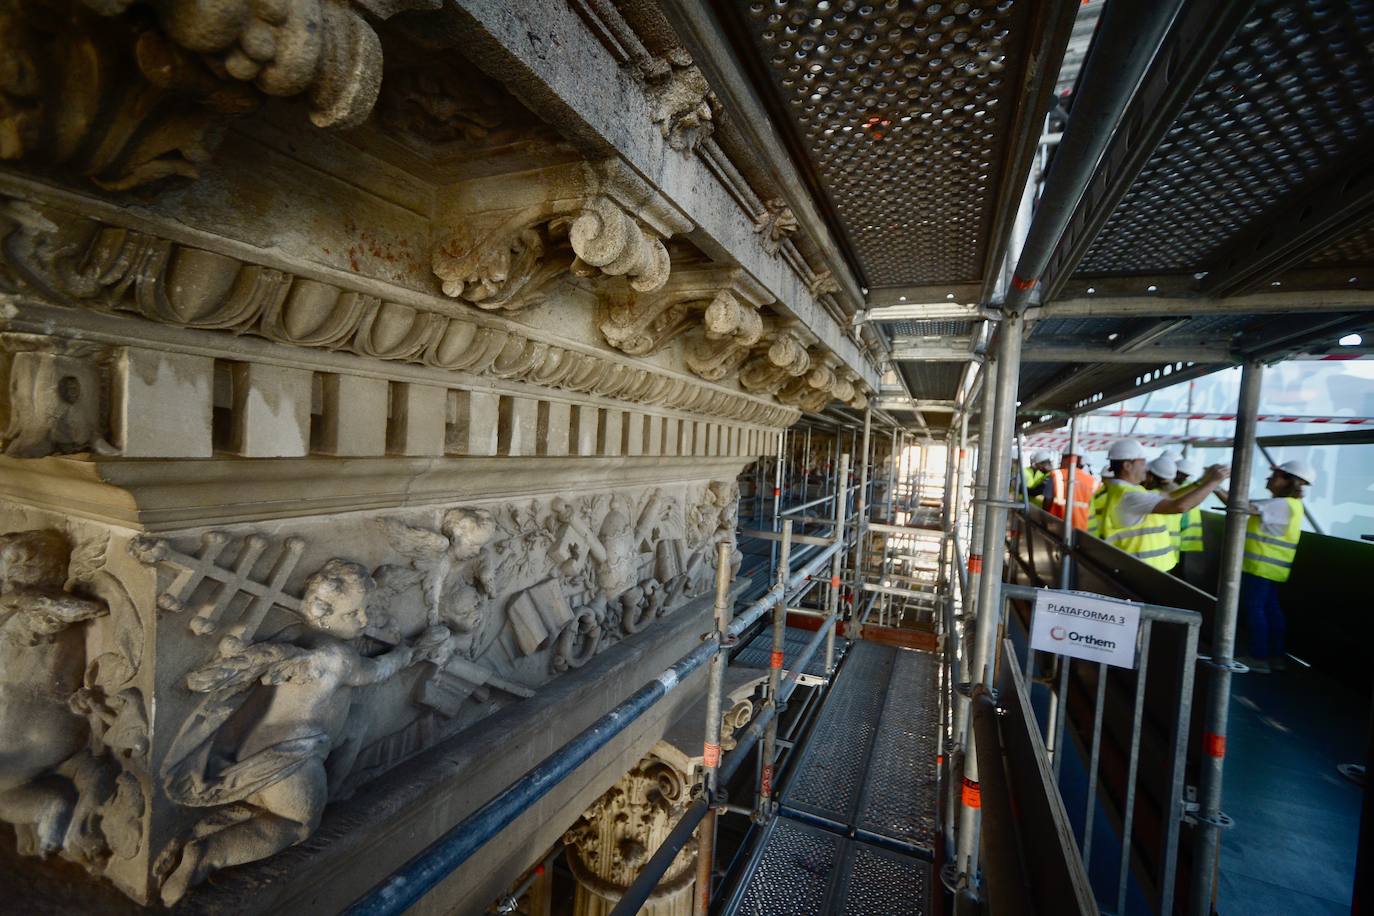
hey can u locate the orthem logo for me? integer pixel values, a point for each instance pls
(1057, 633)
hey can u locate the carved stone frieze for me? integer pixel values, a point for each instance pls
(775, 224)
(304, 662)
(73, 724)
(501, 240)
(74, 260)
(324, 50)
(120, 105)
(683, 105)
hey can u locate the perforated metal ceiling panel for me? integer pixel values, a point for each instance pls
(1292, 96)
(933, 380)
(1357, 248)
(933, 328)
(903, 111)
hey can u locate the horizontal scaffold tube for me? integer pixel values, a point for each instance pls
(448, 853)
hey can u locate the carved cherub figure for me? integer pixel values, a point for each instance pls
(42, 660)
(453, 569)
(272, 779)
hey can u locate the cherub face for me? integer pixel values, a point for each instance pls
(33, 559)
(468, 531)
(335, 598)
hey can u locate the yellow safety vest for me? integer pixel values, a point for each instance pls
(1147, 541)
(1099, 507)
(1031, 478)
(1190, 524)
(1175, 525)
(1272, 557)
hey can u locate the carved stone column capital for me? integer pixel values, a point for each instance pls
(618, 834)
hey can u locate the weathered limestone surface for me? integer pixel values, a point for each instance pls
(363, 435)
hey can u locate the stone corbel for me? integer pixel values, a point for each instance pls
(501, 240)
(843, 387)
(642, 323)
(769, 369)
(730, 327)
(321, 49)
(96, 91)
(859, 400)
(812, 391)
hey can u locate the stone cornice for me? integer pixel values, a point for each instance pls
(119, 264)
(558, 67)
(171, 495)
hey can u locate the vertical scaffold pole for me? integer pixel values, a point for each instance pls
(891, 478)
(777, 500)
(982, 491)
(1070, 483)
(770, 734)
(833, 600)
(989, 603)
(861, 511)
(1210, 818)
(710, 754)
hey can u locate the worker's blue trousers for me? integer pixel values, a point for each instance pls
(1259, 598)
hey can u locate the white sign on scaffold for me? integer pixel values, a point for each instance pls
(1085, 626)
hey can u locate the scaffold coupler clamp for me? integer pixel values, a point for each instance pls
(1231, 665)
(952, 878)
(766, 812)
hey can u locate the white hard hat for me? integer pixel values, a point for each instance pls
(1171, 453)
(1299, 469)
(1163, 467)
(1189, 467)
(1125, 450)
(1041, 454)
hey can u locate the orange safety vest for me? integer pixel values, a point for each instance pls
(1084, 486)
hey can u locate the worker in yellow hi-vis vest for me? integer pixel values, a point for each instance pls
(1033, 476)
(1159, 478)
(1190, 526)
(1127, 516)
(1271, 545)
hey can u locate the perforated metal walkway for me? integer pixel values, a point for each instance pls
(795, 639)
(858, 815)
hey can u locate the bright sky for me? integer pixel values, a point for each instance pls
(1342, 499)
